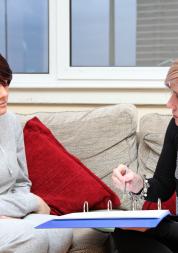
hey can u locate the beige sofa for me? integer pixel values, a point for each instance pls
(102, 138)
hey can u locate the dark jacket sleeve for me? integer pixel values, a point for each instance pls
(163, 185)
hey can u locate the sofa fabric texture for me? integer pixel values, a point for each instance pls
(102, 138)
(152, 129)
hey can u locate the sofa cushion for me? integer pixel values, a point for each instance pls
(152, 130)
(59, 177)
(101, 137)
(88, 240)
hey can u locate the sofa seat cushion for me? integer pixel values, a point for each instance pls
(101, 137)
(88, 240)
(59, 177)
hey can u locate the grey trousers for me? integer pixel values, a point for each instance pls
(20, 236)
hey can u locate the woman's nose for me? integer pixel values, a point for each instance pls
(171, 102)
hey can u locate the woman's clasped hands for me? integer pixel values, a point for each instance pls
(126, 180)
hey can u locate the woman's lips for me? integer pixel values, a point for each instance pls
(2, 104)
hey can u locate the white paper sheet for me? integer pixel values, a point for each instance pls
(117, 214)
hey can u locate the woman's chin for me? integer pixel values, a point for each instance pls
(3, 110)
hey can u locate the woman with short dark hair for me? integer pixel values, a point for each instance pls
(17, 203)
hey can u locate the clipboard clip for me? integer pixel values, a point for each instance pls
(159, 204)
(85, 206)
(109, 205)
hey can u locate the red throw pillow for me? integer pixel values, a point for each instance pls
(59, 177)
(170, 204)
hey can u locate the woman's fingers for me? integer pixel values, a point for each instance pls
(117, 183)
(123, 177)
(120, 171)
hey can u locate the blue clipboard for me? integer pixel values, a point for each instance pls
(70, 221)
(100, 223)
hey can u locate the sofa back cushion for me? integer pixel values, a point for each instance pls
(152, 130)
(101, 138)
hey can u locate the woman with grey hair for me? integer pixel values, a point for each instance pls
(163, 238)
(21, 210)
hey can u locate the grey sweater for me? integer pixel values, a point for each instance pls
(15, 197)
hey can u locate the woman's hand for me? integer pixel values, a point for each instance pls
(127, 180)
(43, 207)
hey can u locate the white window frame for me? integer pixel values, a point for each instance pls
(66, 84)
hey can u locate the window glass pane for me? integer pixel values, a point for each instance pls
(89, 32)
(26, 26)
(2, 27)
(124, 32)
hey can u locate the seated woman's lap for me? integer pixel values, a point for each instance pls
(17, 237)
(21, 235)
(59, 239)
(167, 232)
(127, 241)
